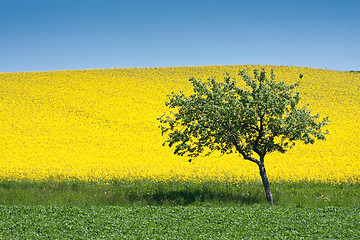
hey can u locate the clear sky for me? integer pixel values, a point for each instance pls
(43, 35)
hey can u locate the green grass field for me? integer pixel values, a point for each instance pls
(176, 210)
(251, 222)
(175, 193)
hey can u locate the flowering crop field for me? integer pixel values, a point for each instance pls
(102, 125)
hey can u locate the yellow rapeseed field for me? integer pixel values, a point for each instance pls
(102, 125)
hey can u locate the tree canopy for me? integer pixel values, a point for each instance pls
(259, 116)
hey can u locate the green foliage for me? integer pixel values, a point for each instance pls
(176, 193)
(255, 222)
(262, 117)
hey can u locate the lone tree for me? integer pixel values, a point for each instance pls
(260, 118)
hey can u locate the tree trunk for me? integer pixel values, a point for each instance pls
(266, 183)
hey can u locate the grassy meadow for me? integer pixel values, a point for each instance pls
(81, 157)
(175, 193)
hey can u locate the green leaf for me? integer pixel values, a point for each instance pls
(222, 116)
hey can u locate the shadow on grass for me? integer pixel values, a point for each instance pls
(175, 193)
(129, 193)
(189, 193)
(197, 197)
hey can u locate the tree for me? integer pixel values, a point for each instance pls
(261, 117)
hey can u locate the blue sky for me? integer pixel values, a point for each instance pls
(44, 35)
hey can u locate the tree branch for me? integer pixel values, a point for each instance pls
(236, 142)
(246, 157)
(267, 143)
(239, 149)
(260, 131)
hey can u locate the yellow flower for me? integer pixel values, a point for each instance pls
(102, 125)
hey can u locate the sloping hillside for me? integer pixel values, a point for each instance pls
(102, 124)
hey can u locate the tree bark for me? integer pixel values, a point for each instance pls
(266, 183)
